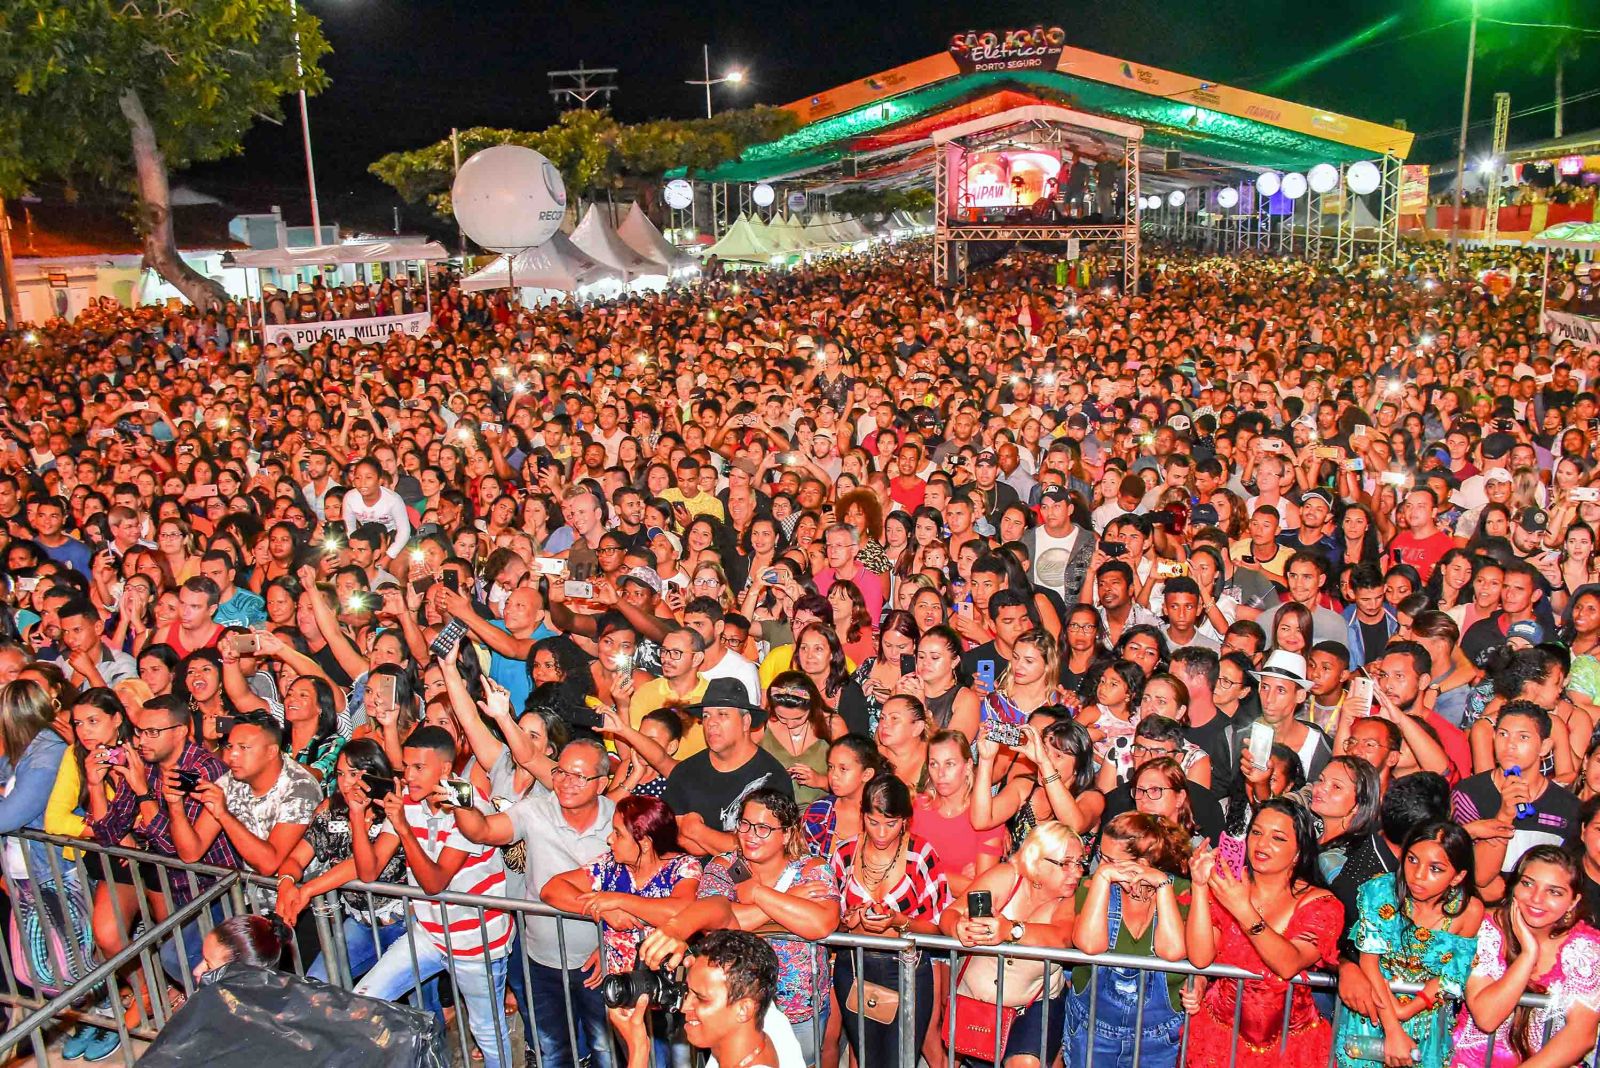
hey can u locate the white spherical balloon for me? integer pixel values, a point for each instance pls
(509, 198)
(678, 194)
(1268, 184)
(1323, 178)
(1175, 198)
(763, 195)
(1294, 185)
(1363, 177)
(1227, 197)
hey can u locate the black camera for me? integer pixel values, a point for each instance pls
(664, 989)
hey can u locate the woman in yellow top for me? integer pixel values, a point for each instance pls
(100, 732)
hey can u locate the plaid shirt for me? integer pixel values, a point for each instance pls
(121, 820)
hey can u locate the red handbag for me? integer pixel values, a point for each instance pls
(974, 1028)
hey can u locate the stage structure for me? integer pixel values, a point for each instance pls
(1139, 151)
(1002, 178)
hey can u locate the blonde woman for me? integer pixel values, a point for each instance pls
(1031, 680)
(1033, 900)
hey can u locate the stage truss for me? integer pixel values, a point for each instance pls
(1322, 227)
(1034, 126)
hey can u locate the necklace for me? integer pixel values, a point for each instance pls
(872, 875)
(796, 733)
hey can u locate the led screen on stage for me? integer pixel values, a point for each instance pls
(1012, 178)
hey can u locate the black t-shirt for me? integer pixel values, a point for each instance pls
(696, 786)
(1553, 821)
(1365, 860)
(1591, 899)
(1202, 802)
(986, 651)
(1374, 638)
(1214, 738)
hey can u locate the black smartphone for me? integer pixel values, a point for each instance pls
(1113, 549)
(739, 871)
(445, 643)
(188, 780)
(908, 663)
(980, 904)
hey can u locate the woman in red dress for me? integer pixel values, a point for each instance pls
(1272, 920)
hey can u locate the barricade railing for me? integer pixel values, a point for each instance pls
(177, 903)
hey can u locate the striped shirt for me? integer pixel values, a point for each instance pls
(483, 873)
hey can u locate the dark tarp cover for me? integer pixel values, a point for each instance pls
(250, 1017)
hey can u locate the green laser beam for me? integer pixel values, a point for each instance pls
(1333, 52)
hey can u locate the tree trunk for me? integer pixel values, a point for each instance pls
(1561, 102)
(155, 211)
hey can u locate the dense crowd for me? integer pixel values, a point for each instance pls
(1252, 620)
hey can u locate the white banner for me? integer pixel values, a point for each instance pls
(303, 335)
(1579, 329)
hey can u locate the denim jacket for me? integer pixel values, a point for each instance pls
(24, 802)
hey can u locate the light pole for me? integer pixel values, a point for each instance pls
(305, 132)
(1461, 144)
(733, 77)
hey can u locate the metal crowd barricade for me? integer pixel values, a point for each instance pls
(214, 894)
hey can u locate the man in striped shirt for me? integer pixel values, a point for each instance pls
(469, 942)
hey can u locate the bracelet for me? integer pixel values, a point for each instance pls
(1426, 998)
(1052, 777)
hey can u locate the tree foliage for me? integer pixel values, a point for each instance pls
(203, 69)
(594, 152)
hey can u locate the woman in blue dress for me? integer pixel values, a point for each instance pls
(1419, 925)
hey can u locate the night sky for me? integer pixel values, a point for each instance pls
(404, 71)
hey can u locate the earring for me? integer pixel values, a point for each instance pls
(1455, 903)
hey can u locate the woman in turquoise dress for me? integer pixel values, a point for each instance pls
(1419, 925)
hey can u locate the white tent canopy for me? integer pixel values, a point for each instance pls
(743, 242)
(641, 235)
(595, 237)
(398, 250)
(557, 264)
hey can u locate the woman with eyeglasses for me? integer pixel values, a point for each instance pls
(1032, 902)
(797, 733)
(1235, 690)
(1134, 905)
(772, 880)
(889, 885)
(1081, 648)
(1160, 788)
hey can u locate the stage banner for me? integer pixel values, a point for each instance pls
(1414, 189)
(1579, 329)
(1036, 48)
(303, 335)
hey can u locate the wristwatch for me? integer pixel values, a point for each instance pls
(151, 796)
(1256, 928)
(1017, 931)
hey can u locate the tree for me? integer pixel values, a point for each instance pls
(595, 153)
(121, 92)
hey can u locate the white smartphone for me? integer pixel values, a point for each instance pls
(1358, 701)
(549, 565)
(578, 591)
(1260, 744)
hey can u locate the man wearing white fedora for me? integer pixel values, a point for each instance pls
(1282, 686)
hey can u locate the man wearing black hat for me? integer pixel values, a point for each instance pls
(706, 789)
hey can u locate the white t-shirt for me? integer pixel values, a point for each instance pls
(389, 512)
(781, 1031)
(1051, 555)
(734, 666)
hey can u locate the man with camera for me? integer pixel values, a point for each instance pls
(725, 996)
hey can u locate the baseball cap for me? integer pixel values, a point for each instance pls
(1054, 493)
(1533, 520)
(988, 456)
(1496, 474)
(1497, 445)
(1319, 494)
(644, 576)
(1078, 421)
(1528, 630)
